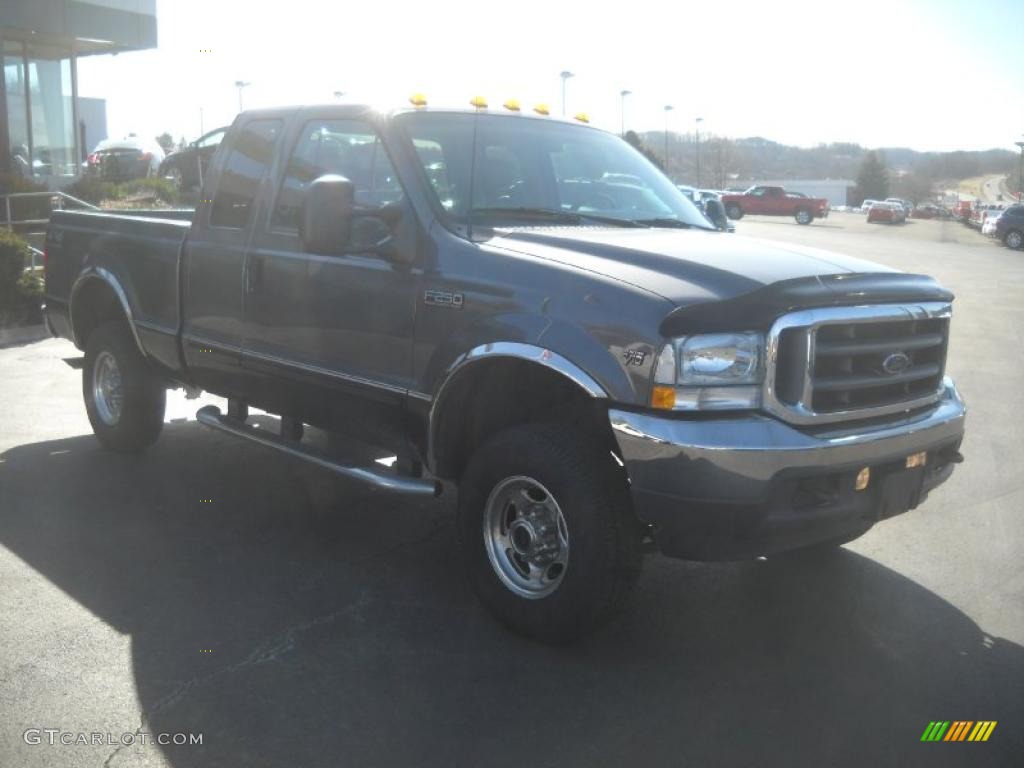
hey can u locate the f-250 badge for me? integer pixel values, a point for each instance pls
(634, 356)
(443, 299)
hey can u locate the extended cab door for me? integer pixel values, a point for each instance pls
(214, 258)
(329, 337)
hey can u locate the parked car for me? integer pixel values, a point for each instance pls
(929, 211)
(989, 221)
(906, 205)
(123, 159)
(1010, 226)
(593, 366)
(887, 213)
(981, 212)
(185, 167)
(775, 201)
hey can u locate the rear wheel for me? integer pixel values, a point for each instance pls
(546, 531)
(804, 216)
(124, 399)
(733, 211)
(1014, 239)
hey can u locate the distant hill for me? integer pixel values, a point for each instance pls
(756, 157)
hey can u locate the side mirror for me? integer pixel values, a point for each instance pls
(325, 223)
(715, 211)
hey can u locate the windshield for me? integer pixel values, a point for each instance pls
(524, 168)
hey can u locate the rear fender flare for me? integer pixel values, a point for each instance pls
(88, 276)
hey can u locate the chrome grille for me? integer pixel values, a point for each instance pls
(848, 363)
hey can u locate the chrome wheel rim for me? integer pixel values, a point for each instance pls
(107, 388)
(526, 537)
(1014, 240)
(803, 216)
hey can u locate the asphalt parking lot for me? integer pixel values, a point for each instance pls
(213, 587)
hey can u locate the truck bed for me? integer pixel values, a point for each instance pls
(141, 248)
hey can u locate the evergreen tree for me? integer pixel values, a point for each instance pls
(872, 178)
(633, 138)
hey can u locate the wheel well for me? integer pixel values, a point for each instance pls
(493, 395)
(94, 303)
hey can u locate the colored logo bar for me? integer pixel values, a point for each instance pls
(958, 730)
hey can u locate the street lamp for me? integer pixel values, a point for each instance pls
(1020, 173)
(668, 108)
(698, 122)
(240, 84)
(622, 109)
(565, 75)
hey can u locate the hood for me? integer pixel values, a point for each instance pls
(745, 277)
(681, 265)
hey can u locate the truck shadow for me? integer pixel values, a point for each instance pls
(293, 621)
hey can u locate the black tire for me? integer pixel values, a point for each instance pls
(143, 396)
(603, 551)
(1014, 239)
(804, 216)
(733, 211)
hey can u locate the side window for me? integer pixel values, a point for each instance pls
(757, 192)
(243, 170)
(349, 148)
(210, 139)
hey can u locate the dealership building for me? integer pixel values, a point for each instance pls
(44, 127)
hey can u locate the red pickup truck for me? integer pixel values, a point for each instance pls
(775, 201)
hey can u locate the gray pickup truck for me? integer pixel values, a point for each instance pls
(527, 309)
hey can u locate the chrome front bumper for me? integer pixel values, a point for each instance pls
(736, 487)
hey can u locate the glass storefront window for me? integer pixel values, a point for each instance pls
(53, 122)
(40, 110)
(17, 109)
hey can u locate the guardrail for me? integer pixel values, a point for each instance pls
(57, 200)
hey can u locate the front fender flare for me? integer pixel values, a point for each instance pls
(506, 349)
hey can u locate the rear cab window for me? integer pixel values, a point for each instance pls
(243, 171)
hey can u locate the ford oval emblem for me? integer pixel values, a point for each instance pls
(896, 363)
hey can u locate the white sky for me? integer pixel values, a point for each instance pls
(929, 75)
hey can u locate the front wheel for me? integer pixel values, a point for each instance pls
(734, 212)
(546, 531)
(1014, 239)
(804, 216)
(124, 399)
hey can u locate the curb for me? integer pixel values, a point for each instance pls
(11, 337)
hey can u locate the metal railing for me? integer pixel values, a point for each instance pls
(57, 201)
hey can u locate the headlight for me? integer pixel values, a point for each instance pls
(714, 371)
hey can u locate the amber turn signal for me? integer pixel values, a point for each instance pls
(917, 459)
(663, 398)
(863, 478)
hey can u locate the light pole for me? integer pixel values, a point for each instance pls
(668, 108)
(1020, 173)
(240, 84)
(622, 109)
(565, 75)
(698, 122)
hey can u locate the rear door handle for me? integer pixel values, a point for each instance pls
(255, 273)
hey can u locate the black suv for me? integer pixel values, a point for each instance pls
(1010, 226)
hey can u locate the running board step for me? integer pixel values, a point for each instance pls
(211, 416)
